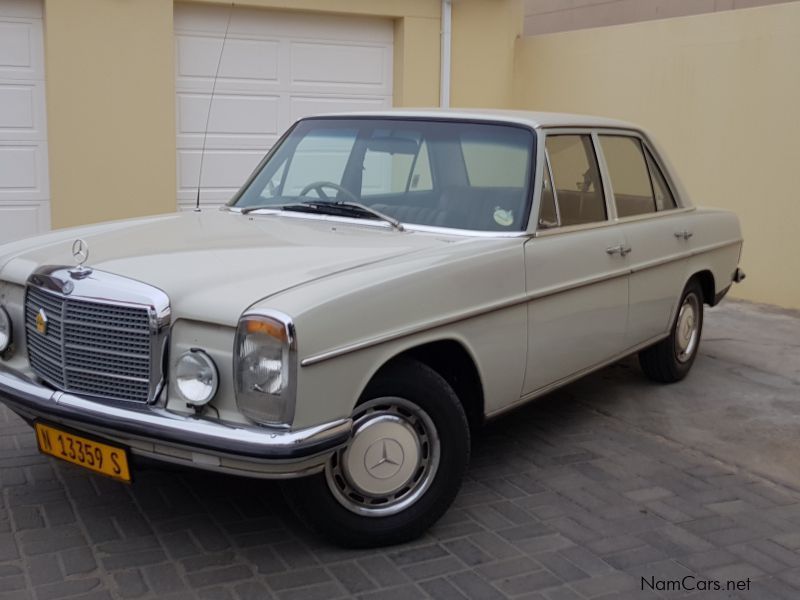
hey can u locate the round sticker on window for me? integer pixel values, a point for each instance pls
(503, 217)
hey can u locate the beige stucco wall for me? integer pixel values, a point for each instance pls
(110, 109)
(720, 92)
(483, 43)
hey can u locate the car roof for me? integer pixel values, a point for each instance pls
(530, 118)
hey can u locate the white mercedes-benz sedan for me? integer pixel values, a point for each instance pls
(382, 284)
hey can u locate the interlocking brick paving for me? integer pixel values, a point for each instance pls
(561, 502)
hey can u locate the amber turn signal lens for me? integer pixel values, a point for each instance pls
(270, 328)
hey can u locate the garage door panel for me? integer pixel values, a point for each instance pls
(16, 220)
(23, 172)
(21, 8)
(231, 114)
(21, 55)
(242, 59)
(224, 171)
(327, 64)
(21, 112)
(254, 22)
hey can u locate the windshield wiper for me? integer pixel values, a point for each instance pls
(335, 207)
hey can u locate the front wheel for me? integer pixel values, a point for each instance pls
(670, 360)
(402, 467)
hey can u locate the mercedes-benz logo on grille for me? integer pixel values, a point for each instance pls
(80, 251)
(41, 322)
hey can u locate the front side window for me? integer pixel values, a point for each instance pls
(630, 177)
(576, 179)
(448, 173)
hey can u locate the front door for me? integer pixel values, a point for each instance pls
(576, 269)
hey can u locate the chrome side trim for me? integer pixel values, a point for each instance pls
(717, 246)
(463, 316)
(412, 330)
(608, 223)
(509, 303)
(574, 285)
(575, 376)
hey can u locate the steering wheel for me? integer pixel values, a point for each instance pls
(318, 185)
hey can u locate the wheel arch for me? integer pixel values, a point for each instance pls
(706, 280)
(454, 362)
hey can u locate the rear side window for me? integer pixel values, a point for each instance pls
(630, 177)
(576, 179)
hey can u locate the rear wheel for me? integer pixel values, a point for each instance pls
(402, 467)
(671, 359)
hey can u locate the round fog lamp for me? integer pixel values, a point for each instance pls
(196, 377)
(5, 330)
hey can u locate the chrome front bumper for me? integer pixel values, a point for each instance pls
(165, 436)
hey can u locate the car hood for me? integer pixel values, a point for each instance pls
(215, 264)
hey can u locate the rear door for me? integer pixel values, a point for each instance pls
(656, 231)
(576, 268)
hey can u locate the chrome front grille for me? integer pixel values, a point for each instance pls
(93, 347)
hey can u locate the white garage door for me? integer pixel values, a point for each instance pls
(24, 187)
(276, 67)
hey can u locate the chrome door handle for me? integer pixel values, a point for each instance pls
(621, 250)
(685, 235)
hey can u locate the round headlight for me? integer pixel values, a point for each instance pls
(5, 330)
(196, 377)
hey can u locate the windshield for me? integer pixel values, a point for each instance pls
(455, 174)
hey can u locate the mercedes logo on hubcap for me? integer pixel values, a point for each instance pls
(384, 458)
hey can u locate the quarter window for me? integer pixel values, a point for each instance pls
(664, 198)
(630, 178)
(548, 216)
(579, 192)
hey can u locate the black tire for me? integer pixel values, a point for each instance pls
(315, 502)
(663, 362)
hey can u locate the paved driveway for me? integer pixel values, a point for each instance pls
(581, 495)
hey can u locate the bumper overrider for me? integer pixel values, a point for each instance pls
(161, 435)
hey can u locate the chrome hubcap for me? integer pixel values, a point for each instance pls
(687, 328)
(390, 461)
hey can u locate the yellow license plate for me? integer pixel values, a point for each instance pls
(96, 456)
